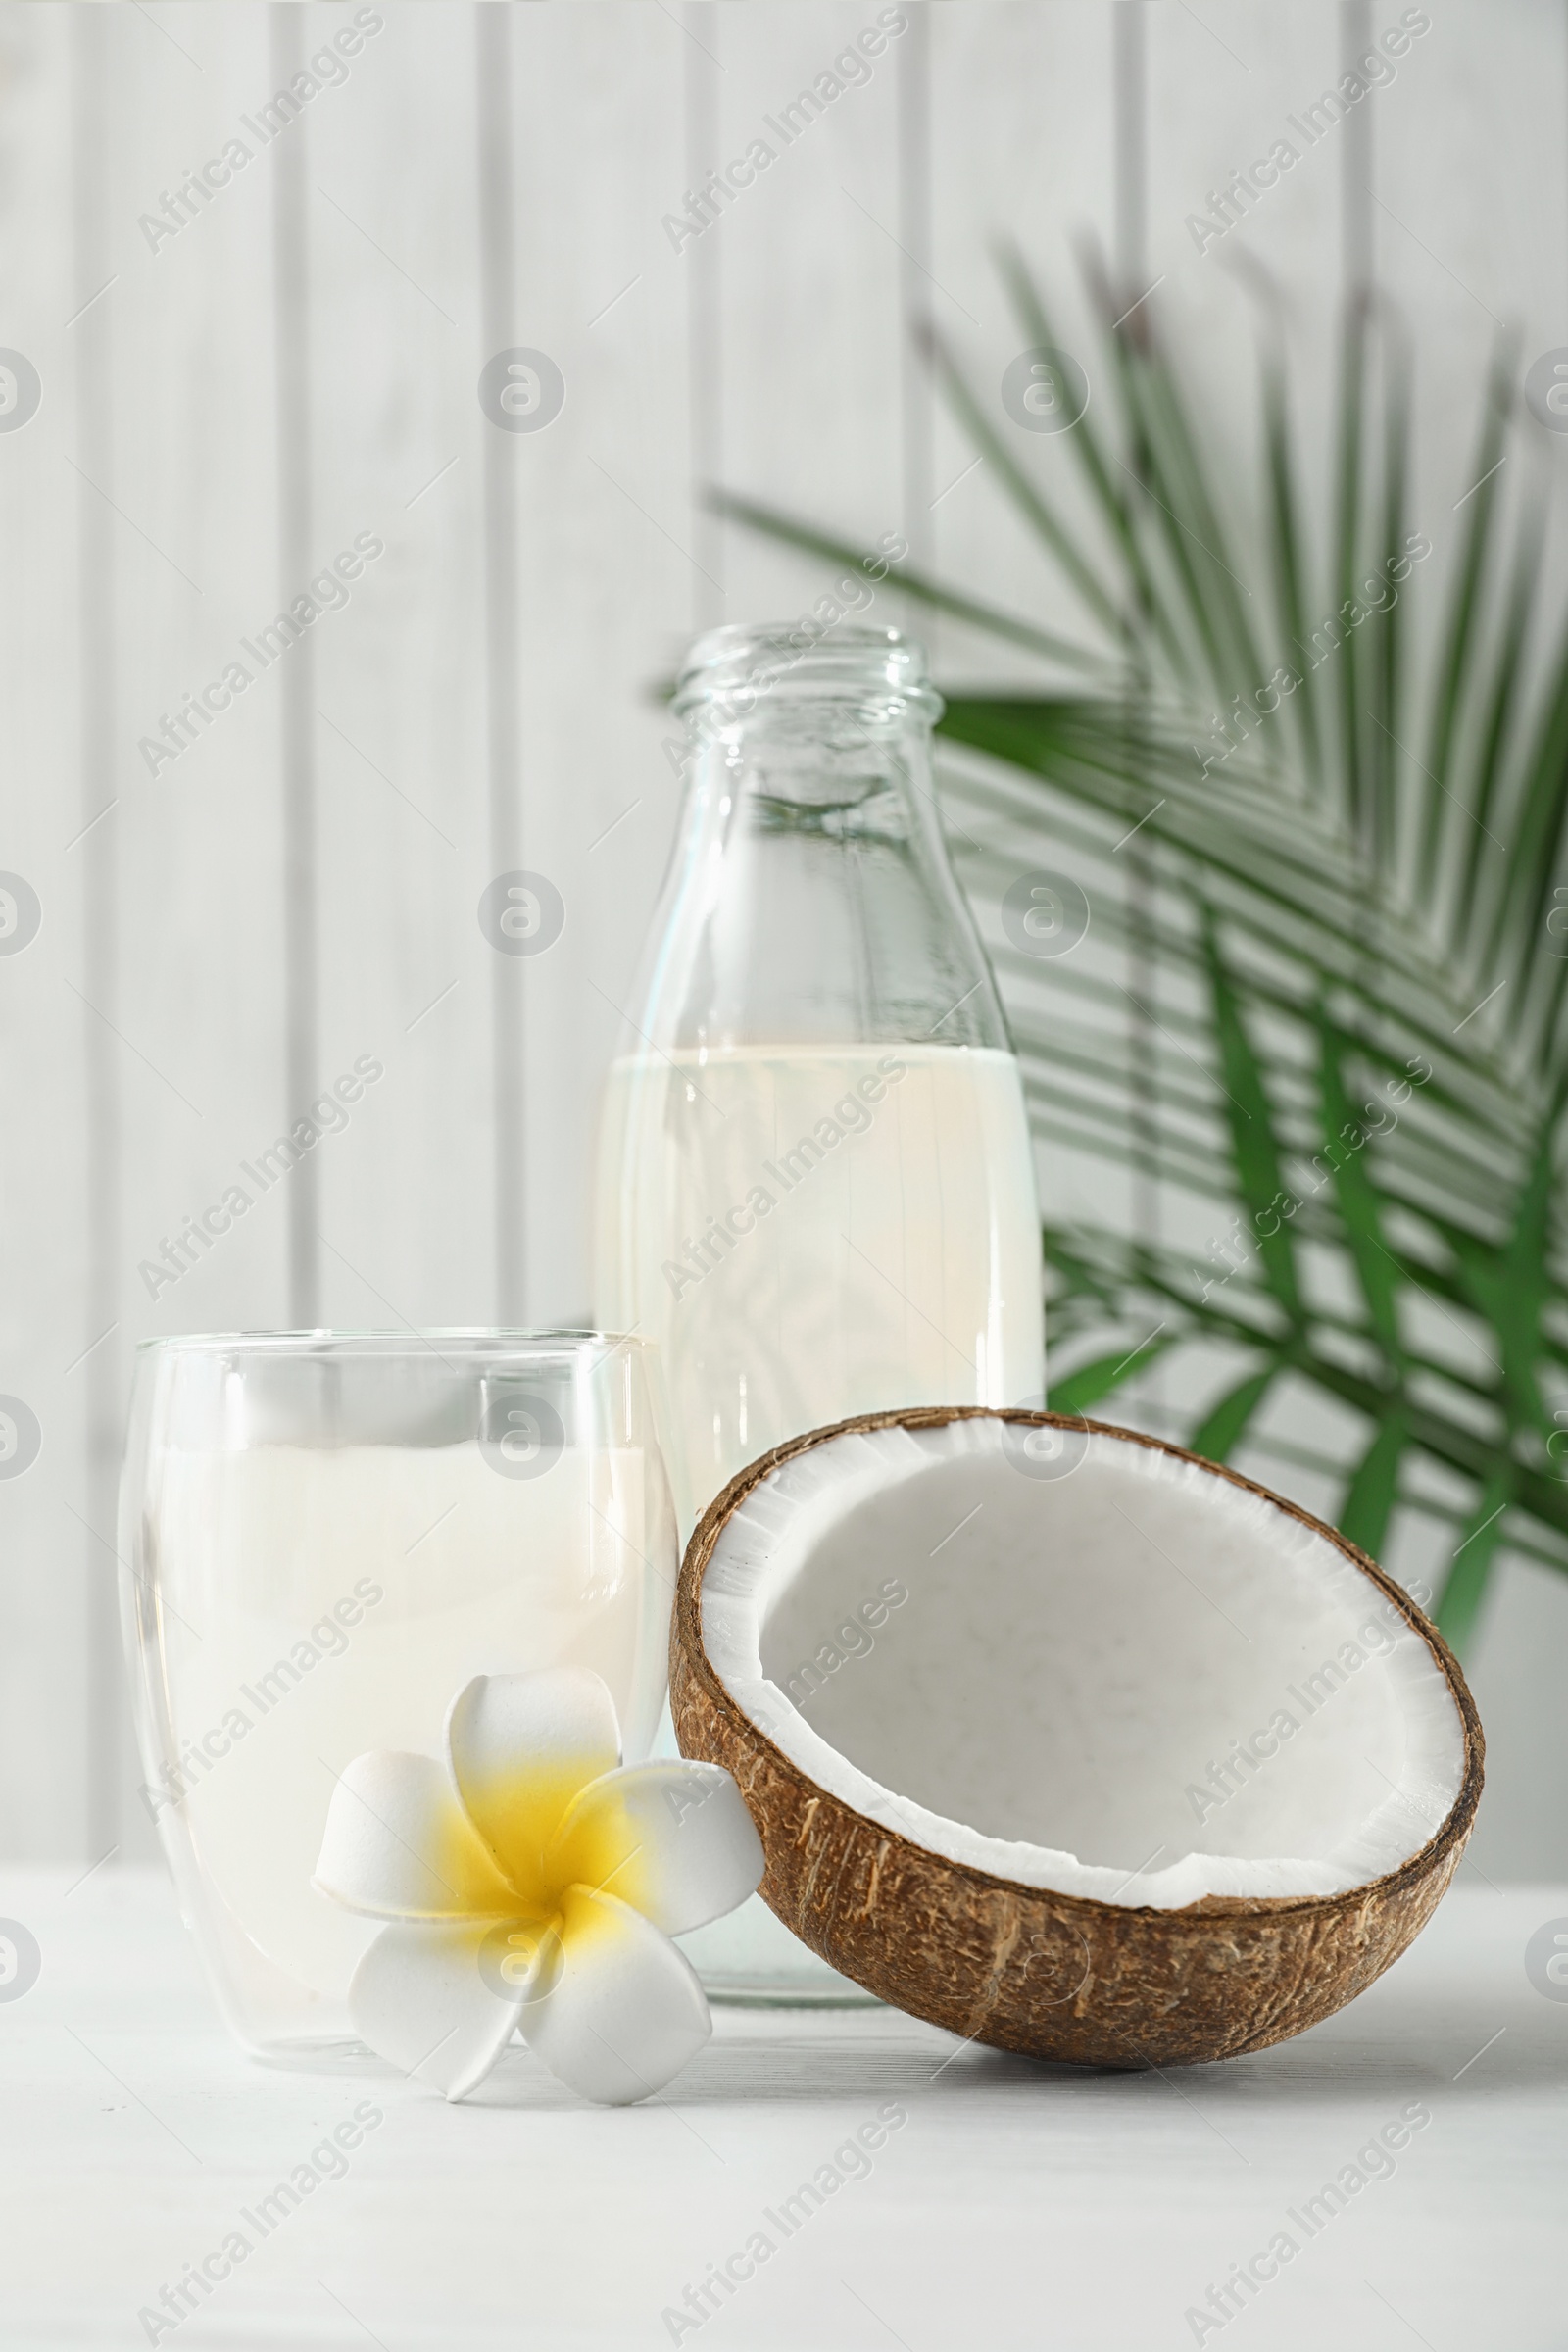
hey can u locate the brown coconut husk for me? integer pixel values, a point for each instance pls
(1055, 1976)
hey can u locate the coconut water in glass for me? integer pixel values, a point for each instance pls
(325, 1536)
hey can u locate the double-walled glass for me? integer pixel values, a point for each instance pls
(325, 1537)
(815, 1180)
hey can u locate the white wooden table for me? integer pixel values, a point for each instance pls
(1017, 2205)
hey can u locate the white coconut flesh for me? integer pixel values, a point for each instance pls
(1113, 1673)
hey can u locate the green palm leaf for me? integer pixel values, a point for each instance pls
(1352, 932)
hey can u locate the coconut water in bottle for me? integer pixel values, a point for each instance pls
(815, 1188)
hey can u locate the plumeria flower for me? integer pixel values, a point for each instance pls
(532, 1884)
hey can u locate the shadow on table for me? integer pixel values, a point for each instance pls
(1431, 2040)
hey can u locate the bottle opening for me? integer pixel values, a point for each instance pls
(740, 671)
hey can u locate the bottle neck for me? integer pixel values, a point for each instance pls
(810, 899)
(821, 770)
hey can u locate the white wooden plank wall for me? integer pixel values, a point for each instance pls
(298, 365)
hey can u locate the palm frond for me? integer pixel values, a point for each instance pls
(1363, 1047)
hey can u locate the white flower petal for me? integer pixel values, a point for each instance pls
(672, 1838)
(398, 1845)
(521, 1746)
(622, 2011)
(420, 1998)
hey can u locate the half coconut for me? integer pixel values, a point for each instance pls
(1067, 1741)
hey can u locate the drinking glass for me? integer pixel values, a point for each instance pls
(323, 1536)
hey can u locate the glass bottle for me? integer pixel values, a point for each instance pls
(815, 1185)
